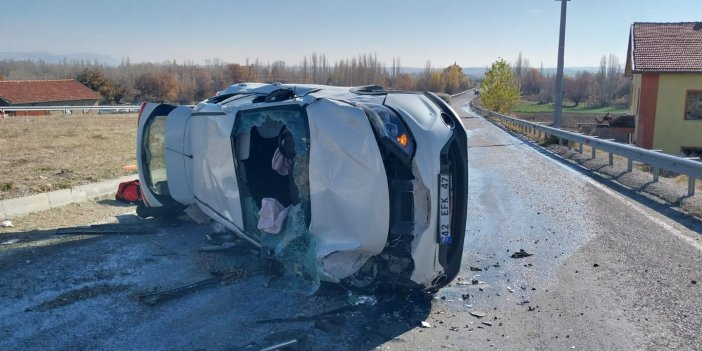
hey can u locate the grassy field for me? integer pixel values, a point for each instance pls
(45, 153)
(533, 107)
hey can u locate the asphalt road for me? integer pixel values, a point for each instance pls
(606, 273)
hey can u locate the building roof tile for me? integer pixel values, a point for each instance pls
(665, 47)
(19, 92)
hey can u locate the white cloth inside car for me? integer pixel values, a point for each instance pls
(272, 215)
(280, 163)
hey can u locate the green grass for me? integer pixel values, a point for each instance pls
(533, 107)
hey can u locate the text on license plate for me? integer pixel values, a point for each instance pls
(444, 209)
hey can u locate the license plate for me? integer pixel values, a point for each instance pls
(444, 209)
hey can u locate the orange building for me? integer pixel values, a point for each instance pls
(665, 63)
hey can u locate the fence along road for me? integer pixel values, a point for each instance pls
(125, 108)
(691, 167)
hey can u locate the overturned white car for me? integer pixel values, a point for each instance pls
(358, 186)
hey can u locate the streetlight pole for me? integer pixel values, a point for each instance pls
(558, 110)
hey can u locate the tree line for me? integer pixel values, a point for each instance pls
(606, 87)
(504, 86)
(188, 82)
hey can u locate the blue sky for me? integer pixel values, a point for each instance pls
(469, 32)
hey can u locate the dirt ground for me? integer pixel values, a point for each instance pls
(45, 153)
(76, 214)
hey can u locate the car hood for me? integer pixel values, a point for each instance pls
(349, 194)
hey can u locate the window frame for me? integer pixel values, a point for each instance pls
(687, 101)
(684, 150)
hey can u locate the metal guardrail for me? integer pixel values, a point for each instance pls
(653, 158)
(64, 108)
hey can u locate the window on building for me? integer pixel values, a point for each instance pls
(693, 105)
(691, 151)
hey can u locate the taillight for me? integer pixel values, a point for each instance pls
(141, 110)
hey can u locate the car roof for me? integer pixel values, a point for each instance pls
(366, 94)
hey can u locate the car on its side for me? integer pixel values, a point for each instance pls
(359, 186)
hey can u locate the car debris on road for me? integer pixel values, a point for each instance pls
(110, 228)
(285, 345)
(227, 276)
(521, 254)
(478, 314)
(357, 300)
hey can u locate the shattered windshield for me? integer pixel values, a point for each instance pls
(272, 150)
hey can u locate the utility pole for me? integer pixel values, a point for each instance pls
(558, 110)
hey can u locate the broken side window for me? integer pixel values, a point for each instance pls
(262, 139)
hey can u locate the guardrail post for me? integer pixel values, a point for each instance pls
(690, 186)
(654, 160)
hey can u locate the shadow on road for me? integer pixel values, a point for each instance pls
(668, 209)
(59, 275)
(350, 327)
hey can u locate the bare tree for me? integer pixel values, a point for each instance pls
(204, 86)
(425, 78)
(607, 81)
(190, 82)
(577, 88)
(548, 89)
(237, 73)
(532, 82)
(94, 79)
(406, 81)
(121, 90)
(159, 87)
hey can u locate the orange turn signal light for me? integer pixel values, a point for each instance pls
(402, 139)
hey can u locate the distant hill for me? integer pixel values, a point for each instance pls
(56, 58)
(479, 72)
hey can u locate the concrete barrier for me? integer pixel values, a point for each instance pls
(20, 206)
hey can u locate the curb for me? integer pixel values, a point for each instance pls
(20, 206)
